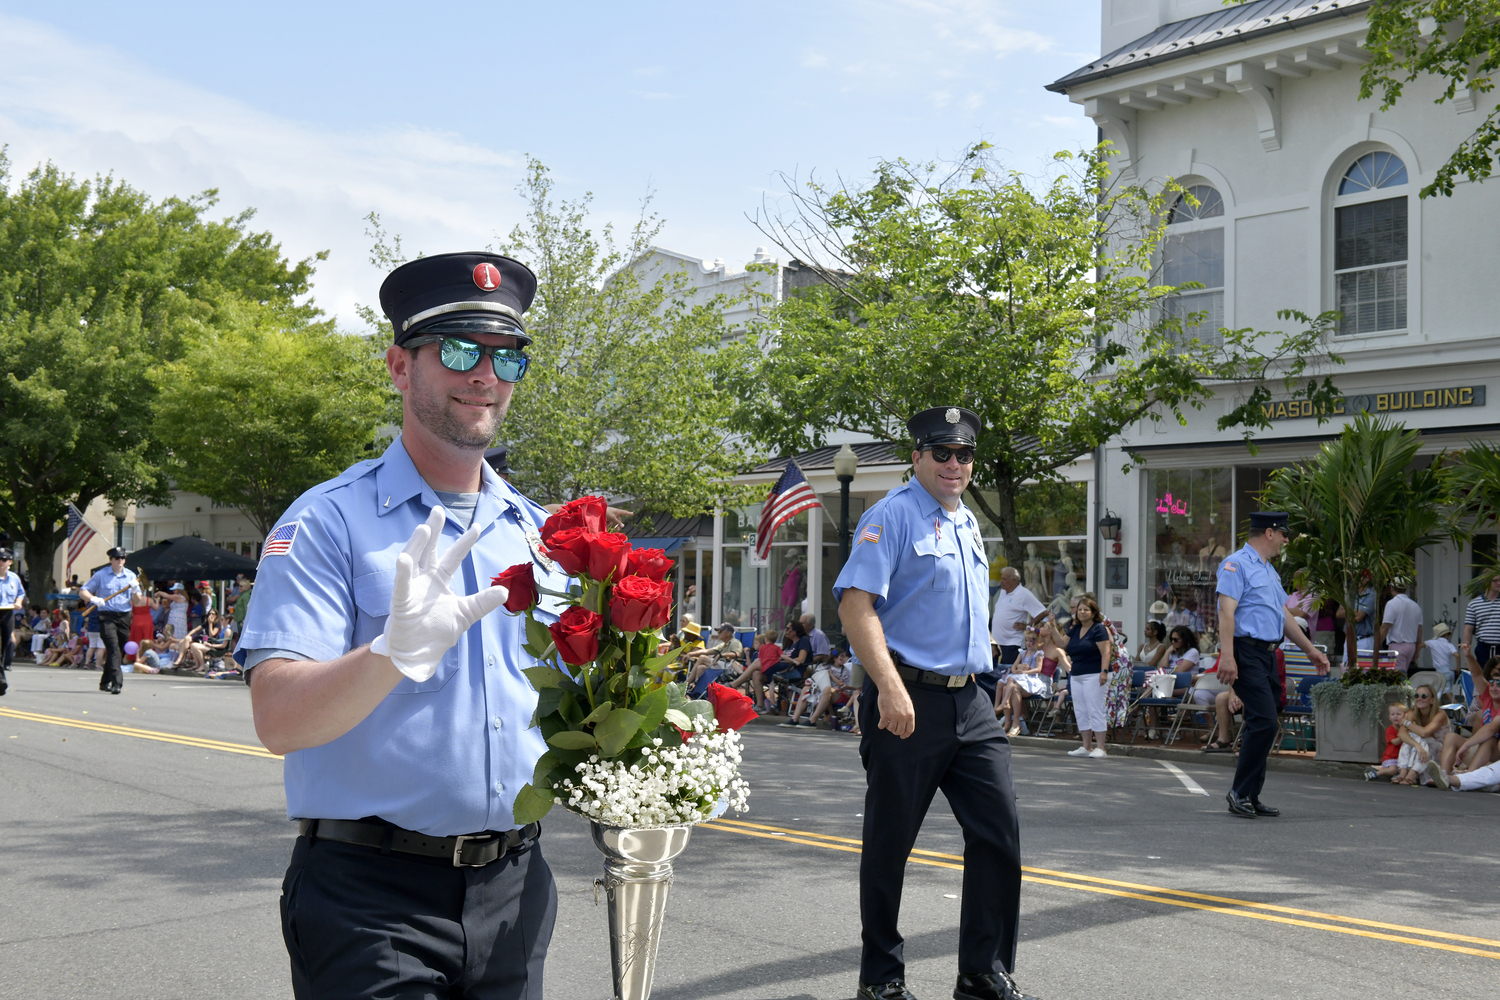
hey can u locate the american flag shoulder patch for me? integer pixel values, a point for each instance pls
(870, 534)
(1231, 567)
(279, 542)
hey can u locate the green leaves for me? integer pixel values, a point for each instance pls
(544, 677)
(570, 739)
(538, 639)
(616, 730)
(531, 804)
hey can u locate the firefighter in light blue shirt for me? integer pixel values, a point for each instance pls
(12, 599)
(1253, 619)
(379, 665)
(914, 602)
(109, 591)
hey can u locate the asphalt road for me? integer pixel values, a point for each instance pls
(150, 868)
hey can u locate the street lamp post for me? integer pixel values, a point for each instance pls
(844, 465)
(120, 509)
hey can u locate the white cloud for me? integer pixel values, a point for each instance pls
(812, 59)
(91, 110)
(976, 25)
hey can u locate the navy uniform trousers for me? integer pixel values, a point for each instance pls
(1259, 687)
(361, 924)
(960, 747)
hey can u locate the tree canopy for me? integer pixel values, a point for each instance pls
(99, 284)
(260, 409)
(626, 394)
(1035, 305)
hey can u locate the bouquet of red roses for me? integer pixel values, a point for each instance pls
(604, 695)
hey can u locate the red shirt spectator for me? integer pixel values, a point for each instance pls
(1392, 744)
(769, 654)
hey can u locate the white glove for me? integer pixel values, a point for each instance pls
(96, 600)
(427, 618)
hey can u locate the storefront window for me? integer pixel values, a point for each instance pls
(1042, 509)
(1190, 514)
(1055, 570)
(1249, 482)
(740, 587)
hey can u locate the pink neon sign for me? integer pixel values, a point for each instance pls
(1168, 505)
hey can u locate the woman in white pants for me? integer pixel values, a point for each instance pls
(1087, 645)
(1481, 779)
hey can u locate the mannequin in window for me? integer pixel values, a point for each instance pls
(791, 587)
(1033, 571)
(1061, 569)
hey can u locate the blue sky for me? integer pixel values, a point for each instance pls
(317, 114)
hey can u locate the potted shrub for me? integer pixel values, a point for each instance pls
(1350, 713)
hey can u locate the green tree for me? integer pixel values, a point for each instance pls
(626, 394)
(260, 409)
(1035, 308)
(98, 284)
(1359, 513)
(1476, 487)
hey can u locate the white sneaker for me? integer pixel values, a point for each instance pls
(1096, 753)
(1078, 752)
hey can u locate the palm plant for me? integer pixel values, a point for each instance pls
(1359, 515)
(1475, 477)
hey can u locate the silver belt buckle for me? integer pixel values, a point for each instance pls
(458, 846)
(958, 680)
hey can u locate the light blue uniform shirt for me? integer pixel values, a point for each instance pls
(1256, 585)
(10, 590)
(445, 756)
(931, 580)
(106, 582)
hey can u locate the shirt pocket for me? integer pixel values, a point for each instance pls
(944, 565)
(372, 599)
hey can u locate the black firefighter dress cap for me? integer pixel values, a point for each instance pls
(944, 425)
(1260, 520)
(459, 293)
(499, 459)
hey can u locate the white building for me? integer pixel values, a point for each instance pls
(1308, 200)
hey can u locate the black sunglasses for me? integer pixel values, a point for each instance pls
(941, 455)
(460, 355)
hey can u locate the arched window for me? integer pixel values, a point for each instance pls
(1194, 251)
(1370, 245)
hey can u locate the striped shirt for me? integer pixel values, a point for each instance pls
(1484, 615)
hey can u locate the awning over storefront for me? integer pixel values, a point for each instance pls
(666, 544)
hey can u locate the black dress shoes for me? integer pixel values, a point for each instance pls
(988, 986)
(1240, 806)
(1265, 810)
(894, 990)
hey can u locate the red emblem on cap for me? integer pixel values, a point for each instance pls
(487, 276)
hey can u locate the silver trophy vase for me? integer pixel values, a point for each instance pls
(637, 876)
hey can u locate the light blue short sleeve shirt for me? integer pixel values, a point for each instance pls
(445, 756)
(1256, 586)
(106, 582)
(930, 576)
(10, 589)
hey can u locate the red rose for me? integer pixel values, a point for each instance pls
(576, 633)
(569, 548)
(522, 586)
(661, 608)
(585, 512)
(732, 709)
(608, 554)
(652, 563)
(633, 603)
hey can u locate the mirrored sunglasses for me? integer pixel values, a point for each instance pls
(461, 355)
(941, 455)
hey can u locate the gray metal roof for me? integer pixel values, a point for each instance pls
(1229, 26)
(869, 453)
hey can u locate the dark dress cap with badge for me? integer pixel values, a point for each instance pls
(459, 293)
(1260, 520)
(951, 425)
(499, 459)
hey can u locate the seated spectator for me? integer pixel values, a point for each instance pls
(1424, 732)
(1460, 754)
(1444, 654)
(828, 685)
(790, 666)
(822, 649)
(214, 643)
(723, 652)
(1154, 645)
(1179, 656)
(1226, 703)
(1390, 757)
(1025, 679)
(70, 654)
(148, 660)
(40, 627)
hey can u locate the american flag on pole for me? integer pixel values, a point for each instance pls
(789, 497)
(79, 534)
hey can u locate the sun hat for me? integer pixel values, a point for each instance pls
(1159, 608)
(1441, 629)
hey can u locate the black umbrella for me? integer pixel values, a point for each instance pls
(189, 558)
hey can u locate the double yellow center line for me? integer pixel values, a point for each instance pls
(200, 742)
(1379, 930)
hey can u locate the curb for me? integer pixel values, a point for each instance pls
(1275, 762)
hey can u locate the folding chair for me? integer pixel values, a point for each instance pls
(1296, 720)
(1195, 718)
(1149, 699)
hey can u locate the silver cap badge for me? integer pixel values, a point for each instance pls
(952, 415)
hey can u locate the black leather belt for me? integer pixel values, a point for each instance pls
(466, 851)
(914, 676)
(1260, 643)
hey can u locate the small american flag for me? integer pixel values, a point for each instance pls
(870, 534)
(789, 497)
(79, 534)
(279, 542)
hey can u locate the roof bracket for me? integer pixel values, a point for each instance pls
(1255, 86)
